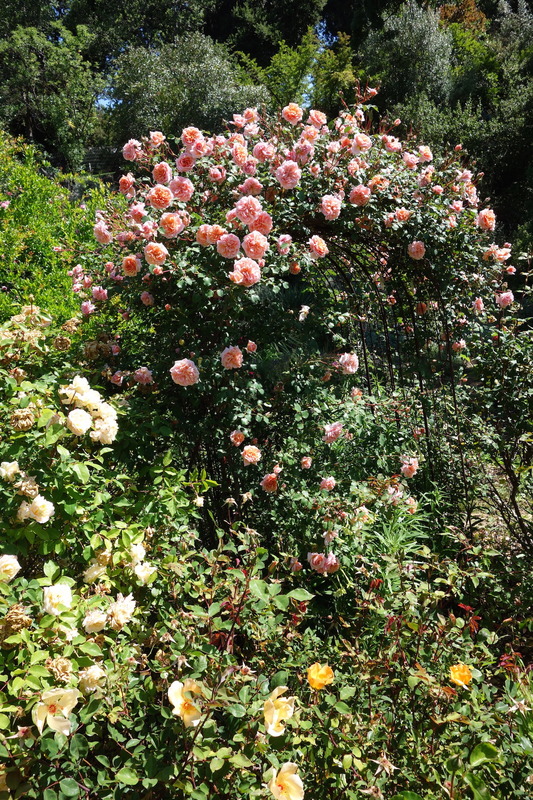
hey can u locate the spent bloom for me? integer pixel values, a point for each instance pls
(91, 678)
(328, 483)
(8, 470)
(409, 467)
(332, 432)
(121, 611)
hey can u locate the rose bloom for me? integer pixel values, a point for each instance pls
(504, 299)
(292, 113)
(360, 195)
(99, 293)
(409, 467)
(262, 223)
(255, 245)
(55, 596)
(182, 189)
(251, 347)
(284, 243)
(144, 571)
(202, 234)
(79, 421)
(460, 345)
(239, 153)
(478, 305)
(416, 250)
(162, 172)
(317, 118)
(214, 233)
(8, 470)
(251, 455)
(287, 784)
(160, 196)
(332, 432)
(410, 160)
(486, 219)
(361, 143)
(251, 186)
(54, 708)
(264, 151)
(247, 209)
(328, 483)
(402, 214)
(318, 247)
(246, 272)
(330, 206)
(125, 185)
(95, 621)
(217, 174)
(147, 299)
(121, 611)
(461, 675)
(185, 372)
(101, 233)
(131, 266)
(236, 438)
(229, 245)
(306, 462)
(143, 375)
(277, 710)
(91, 678)
(317, 562)
(425, 153)
(231, 357)
(269, 483)
(155, 253)
(132, 150)
(157, 138)
(190, 136)
(319, 676)
(331, 564)
(349, 363)
(39, 510)
(94, 572)
(9, 567)
(185, 162)
(288, 174)
(179, 695)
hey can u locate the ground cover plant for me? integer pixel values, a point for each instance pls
(240, 483)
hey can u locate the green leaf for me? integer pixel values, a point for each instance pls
(260, 589)
(79, 746)
(407, 796)
(49, 794)
(81, 471)
(479, 788)
(63, 452)
(300, 594)
(240, 760)
(279, 679)
(127, 776)
(482, 753)
(91, 649)
(237, 710)
(69, 787)
(215, 764)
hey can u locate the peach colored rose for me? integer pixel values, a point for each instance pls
(409, 467)
(172, 225)
(251, 186)
(215, 233)
(262, 223)
(239, 154)
(504, 299)
(360, 195)
(416, 250)
(231, 357)
(191, 136)
(155, 253)
(255, 245)
(284, 243)
(185, 163)
(306, 462)
(101, 233)
(402, 214)
(269, 482)
(132, 150)
(328, 483)
(349, 363)
(361, 143)
(251, 455)
(332, 432)
(160, 196)
(182, 189)
(330, 206)
(318, 247)
(156, 138)
(162, 172)
(185, 372)
(317, 118)
(202, 235)
(147, 299)
(288, 174)
(247, 209)
(425, 153)
(410, 160)
(478, 305)
(251, 347)
(264, 151)
(292, 113)
(486, 219)
(246, 272)
(143, 375)
(126, 184)
(228, 245)
(236, 438)
(131, 266)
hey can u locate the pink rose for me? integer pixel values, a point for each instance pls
(402, 214)
(360, 195)
(416, 250)
(160, 196)
(306, 462)
(231, 357)
(182, 189)
(262, 223)
(349, 363)
(247, 209)
(331, 564)
(131, 266)
(251, 455)
(185, 163)
(409, 467)
(202, 235)
(478, 305)
(392, 144)
(236, 438)
(361, 143)
(147, 299)
(87, 308)
(458, 346)
(126, 184)
(425, 153)
(172, 225)
(486, 219)
(191, 136)
(295, 565)
(317, 562)
(504, 299)
(217, 174)
(264, 151)
(246, 272)
(284, 243)
(137, 212)
(251, 347)
(317, 118)
(156, 138)
(332, 432)
(292, 113)
(318, 247)
(328, 483)
(185, 372)
(270, 482)
(132, 150)
(143, 375)
(228, 245)
(117, 378)
(255, 245)
(101, 233)
(99, 293)
(330, 206)
(155, 253)
(410, 160)
(162, 172)
(251, 186)
(288, 174)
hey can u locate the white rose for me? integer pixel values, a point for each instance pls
(54, 596)
(95, 621)
(79, 421)
(24, 511)
(144, 571)
(40, 509)
(8, 470)
(9, 566)
(90, 678)
(105, 430)
(121, 611)
(137, 553)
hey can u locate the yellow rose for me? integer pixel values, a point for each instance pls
(460, 674)
(286, 784)
(277, 709)
(184, 708)
(319, 675)
(55, 708)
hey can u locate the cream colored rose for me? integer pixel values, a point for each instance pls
(8, 470)
(54, 709)
(55, 596)
(144, 571)
(277, 709)
(137, 553)
(287, 784)
(179, 695)
(95, 621)
(39, 510)
(9, 566)
(79, 421)
(91, 678)
(121, 611)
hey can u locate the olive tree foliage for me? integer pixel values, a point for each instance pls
(410, 54)
(192, 81)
